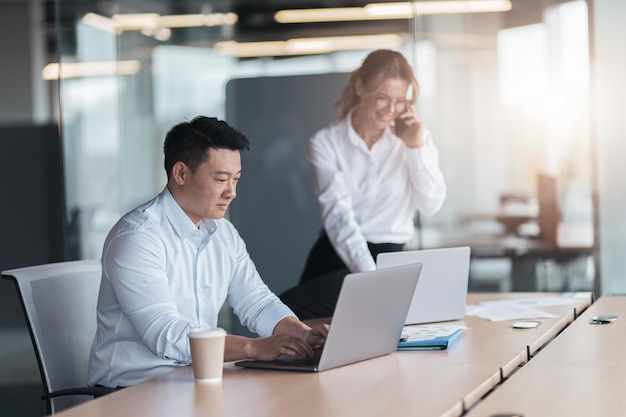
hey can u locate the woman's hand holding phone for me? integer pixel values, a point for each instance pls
(409, 128)
(401, 126)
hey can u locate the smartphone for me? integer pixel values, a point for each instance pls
(401, 126)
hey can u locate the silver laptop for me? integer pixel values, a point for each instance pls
(441, 294)
(367, 321)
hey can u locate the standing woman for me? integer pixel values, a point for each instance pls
(373, 169)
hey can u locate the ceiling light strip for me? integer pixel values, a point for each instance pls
(388, 11)
(307, 46)
(56, 71)
(150, 21)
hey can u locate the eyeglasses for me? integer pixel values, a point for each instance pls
(384, 102)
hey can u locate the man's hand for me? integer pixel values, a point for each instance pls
(317, 335)
(313, 336)
(291, 337)
(269, 348)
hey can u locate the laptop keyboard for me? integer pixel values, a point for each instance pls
(297, 359)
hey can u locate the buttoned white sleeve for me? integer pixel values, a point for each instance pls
(255, 305)
(428, 184)
(135, 266)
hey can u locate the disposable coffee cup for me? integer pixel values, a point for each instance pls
(207, 353)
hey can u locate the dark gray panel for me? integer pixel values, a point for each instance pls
(16, 70)
(31, 182)
(275, 210)
(32, 207)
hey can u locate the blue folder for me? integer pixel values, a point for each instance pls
(437, 343)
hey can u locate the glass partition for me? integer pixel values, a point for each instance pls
(505, 94)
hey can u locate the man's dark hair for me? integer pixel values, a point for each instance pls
(188, 142)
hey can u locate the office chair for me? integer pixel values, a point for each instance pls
(59, 303)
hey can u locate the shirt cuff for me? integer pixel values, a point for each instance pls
(365, 264)
(270, 318)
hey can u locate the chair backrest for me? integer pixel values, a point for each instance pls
(59, 302)
(549, 215)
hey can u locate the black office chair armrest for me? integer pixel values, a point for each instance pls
(95, 391)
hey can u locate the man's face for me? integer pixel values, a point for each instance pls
(208, 192)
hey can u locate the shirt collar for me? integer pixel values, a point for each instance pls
(179, 220)
(354, 137)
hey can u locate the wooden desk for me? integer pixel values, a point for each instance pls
(433, 383)
(581, 373)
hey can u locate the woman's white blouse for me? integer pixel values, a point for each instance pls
(372, 195)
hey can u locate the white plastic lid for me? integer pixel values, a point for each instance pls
(207, 332)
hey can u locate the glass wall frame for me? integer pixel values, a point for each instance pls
(505, 95)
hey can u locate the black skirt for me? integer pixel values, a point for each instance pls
(316, 294)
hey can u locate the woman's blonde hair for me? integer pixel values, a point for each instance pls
(376, 68)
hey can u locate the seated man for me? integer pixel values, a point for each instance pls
(169, 265)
